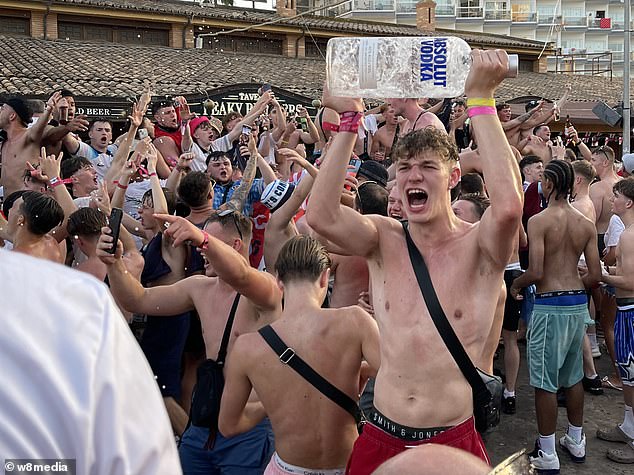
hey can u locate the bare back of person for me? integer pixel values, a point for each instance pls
(418, 383)
(45, 247)
(94, 267)
(15, 153)
(566, 233)
(424, 120)
(351, 278)
(585, 207)
(310, 429)
(601, 192)
(213, 300)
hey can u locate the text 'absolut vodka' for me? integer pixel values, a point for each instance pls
(433, 61)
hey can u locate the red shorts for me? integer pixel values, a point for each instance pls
(374, 446)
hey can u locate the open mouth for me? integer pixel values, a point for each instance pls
(416, 198)
(396, 215)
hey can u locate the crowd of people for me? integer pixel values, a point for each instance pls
(265, 263)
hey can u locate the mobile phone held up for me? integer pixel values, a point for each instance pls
(114, 223)
(265, 88)
(353, 168)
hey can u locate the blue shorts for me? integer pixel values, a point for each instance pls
(555, 340)
(624, 343)
(244, 454)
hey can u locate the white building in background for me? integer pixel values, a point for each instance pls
(580, 27)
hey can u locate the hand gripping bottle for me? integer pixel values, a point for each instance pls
(400, 67)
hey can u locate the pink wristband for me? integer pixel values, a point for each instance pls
(481, 110)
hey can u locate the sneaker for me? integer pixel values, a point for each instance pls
(613, 434)
(577, 450)
(545, 464)
(508, 405)
(593, 386)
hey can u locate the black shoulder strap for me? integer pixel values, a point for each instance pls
(395, 139)
(222, 352)
(440, 319)
(288, 356)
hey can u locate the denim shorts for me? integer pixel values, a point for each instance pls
(244, 454)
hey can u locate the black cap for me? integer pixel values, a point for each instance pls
(22, 108)
(374, 171)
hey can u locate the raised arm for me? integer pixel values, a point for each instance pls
(158, 197)
(498, 227)
(279, 229)
(341, 225)
(122, 153)
(163, 300)
(239, 196)
(251, 116)
(232, 268)
(35, 134)
(50, 169)
(53, 135)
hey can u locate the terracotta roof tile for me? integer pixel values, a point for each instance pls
(337, 25)
(34, 67)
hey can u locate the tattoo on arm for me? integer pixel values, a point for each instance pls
(240, 195)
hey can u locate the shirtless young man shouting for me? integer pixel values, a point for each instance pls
(420, 394)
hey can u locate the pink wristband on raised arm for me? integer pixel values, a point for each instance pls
(481, 110)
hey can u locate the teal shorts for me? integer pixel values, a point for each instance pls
(555, 340)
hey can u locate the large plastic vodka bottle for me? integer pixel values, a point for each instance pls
(400, 67)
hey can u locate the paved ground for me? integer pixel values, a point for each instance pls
(520, 430)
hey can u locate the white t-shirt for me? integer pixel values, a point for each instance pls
(613, 233)
(76, 384)
(101, 161)
(199, 163)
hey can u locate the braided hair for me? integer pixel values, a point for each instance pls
(562, 176)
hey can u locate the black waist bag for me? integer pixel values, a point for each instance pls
(486, 406)
(210, 382)
(205, 407)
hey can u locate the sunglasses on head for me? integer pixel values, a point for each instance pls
(232, 213)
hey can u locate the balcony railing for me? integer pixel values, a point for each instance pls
(470, 12)
(575, 20)
(497, 15)
(596, 23)
(374, 5)
(617, 24)
(593, 64)
(549, 19)
(445, 10)
(524, 17)
(405, 7)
